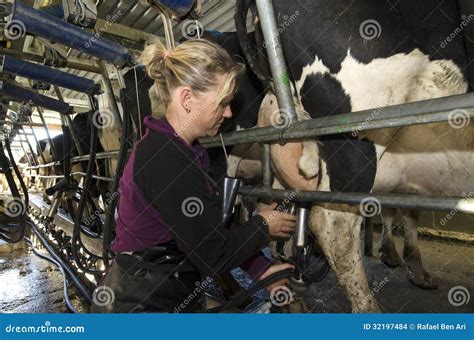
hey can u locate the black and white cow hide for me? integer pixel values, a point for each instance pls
(345, 56)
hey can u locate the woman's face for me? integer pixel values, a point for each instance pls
(210, 114)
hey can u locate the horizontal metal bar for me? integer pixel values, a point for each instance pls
(78, 64)
(23, 68)
(460, 204)
(99, 155)
(83, 174)
(22, 123)
(422, 112)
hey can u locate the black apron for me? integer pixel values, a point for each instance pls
(158, 279)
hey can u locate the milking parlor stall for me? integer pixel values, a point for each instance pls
(356, 117)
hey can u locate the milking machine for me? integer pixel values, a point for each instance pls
(307, 269)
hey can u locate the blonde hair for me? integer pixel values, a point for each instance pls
(195, 63)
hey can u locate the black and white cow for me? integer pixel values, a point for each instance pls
(81, 125)
(346, 56)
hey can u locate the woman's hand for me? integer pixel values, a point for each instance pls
(273, 269)
(280, 225)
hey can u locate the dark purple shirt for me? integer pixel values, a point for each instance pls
(139, 224)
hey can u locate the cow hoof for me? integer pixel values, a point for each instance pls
(424, 281)
(390, 257)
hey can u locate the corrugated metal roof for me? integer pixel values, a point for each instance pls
(216, 15)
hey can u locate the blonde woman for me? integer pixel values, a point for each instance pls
(169, 235)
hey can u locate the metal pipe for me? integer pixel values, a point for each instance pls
(78, 64)
(69, 123)
(18, 93)
(302, 214)
(42, 24)
(422, 112)
(266, 166)
(37, 142)
(458, 204)
(45, 126)
(33, 155)
(27, 124)
(23, 68)
(78, 173)
(100, 155)
(109, 92)
(276, 59)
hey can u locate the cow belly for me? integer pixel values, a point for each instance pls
(431, 159)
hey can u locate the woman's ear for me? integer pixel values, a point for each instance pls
(185, 94)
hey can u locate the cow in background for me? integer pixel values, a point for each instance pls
(81, 125)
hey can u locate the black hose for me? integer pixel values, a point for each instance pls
(76, 235)
(121, 161)
(16, 236)
(254, 288)
(250, 52)
(69, 305)
(75, 280)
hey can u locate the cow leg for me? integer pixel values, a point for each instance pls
(389, 254)
(411, 253)
(337, 229)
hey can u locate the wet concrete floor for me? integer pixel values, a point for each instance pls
(29, 284)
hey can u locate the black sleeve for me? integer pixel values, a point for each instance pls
(167, 176)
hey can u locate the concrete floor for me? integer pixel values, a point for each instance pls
(29, 284)
(448, 263)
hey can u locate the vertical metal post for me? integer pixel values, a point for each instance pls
(67, 119)
(266, 166)
(280, 76)
(37, 141)
(33, 155)
(50, 141)
(109, 92)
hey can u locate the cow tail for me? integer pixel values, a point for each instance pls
(250, 51)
